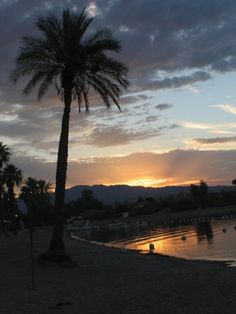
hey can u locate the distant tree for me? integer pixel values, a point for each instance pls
(140, 199)
(199, 193)
(149, 200)
(87, 194)
(194, 191)
(203, 190)
(12, 177)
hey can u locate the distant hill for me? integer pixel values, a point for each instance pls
(119, 193)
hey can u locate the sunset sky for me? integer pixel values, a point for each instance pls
(178, 119)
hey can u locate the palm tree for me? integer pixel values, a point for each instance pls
(36, 196)
(4, 158)
(12, 177)
(62, 56)
(4, 154)
(29, 190)
(34, 193)
(2, 191)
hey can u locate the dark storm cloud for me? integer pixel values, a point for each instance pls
(215, 140)
(165, 35)
(172, 35)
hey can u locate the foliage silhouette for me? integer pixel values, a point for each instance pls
(62, 56)
(199, 193)
(12, 176)
(4, 154)
(36, 195)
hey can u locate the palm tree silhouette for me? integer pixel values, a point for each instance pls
(4, 154)
(35, 194)
(4, 158)
(62, 56)
(12, 177)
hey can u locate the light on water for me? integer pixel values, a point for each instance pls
(208, 240)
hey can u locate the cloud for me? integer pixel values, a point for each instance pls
(215, 140)
(115, 136)
(92, 9)
(163, 106)
(166, 44)
(151, 118)
(132, 99)
(197, 125)
(226, 108)
(35, 167)
(216, 167)
(177, 82)
(224, 128)
(213, 166)
(159, 36)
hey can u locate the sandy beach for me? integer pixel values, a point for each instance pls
(109, 280)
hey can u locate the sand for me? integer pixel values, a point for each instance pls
(109, 281)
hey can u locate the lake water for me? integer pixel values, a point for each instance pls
(208, 240)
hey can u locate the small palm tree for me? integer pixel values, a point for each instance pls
(75, 64)
(4, 154)
(36, 195)
(29, 190)
(2, 191)
(4, 158)
(12, 177)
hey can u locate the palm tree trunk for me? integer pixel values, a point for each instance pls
(57, 244)
(11, 198)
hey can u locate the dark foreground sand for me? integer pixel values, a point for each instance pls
(111, 281)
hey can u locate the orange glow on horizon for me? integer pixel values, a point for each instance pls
(150, 182)
(146, 182)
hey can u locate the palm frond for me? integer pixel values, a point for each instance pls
(62, 54)
(101, 41)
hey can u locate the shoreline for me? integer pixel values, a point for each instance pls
(227, 263)
(109, 280)
(173, 217)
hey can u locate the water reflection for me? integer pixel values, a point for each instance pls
(202, 240)
(204, 232)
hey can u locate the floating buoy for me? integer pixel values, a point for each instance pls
(151, 247)
(183, 238)
(224, 230)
